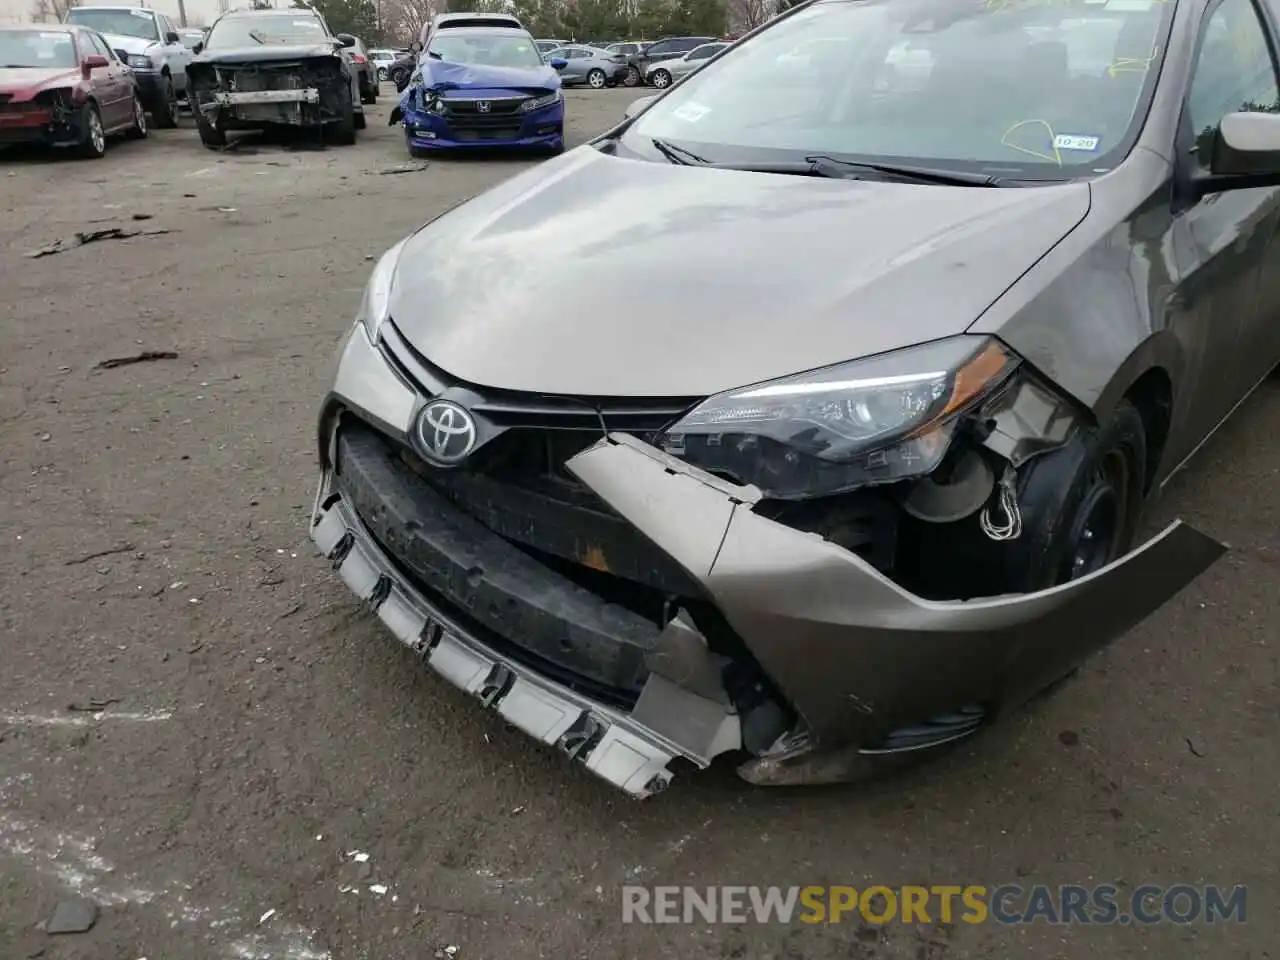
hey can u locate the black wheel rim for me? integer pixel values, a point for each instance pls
(1097, 529)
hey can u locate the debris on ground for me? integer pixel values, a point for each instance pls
(267, 916)
(144, 357)
(1069, 738)
(140, 216)
(97, 554)
(402, 168)
(377, 889)
(94, 705)
(93, 236)
(73, 916)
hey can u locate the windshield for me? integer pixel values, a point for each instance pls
(1007, 88)
(486, 50)
(124, 23)
(28, 48)
(231, 32)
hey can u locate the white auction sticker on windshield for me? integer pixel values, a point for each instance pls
(691, 112)
(141, 14)
(1072, 141)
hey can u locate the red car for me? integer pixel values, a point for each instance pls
(62, 85)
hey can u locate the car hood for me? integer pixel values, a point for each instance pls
(470, 76)
(24, 82)
(268, 53)
(134, 45)
(602, 276)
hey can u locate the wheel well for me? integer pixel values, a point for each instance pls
(164, 71)
(1152, 395)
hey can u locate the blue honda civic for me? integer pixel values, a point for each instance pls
(482, 87)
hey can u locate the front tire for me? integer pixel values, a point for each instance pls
(633, 78)
(1082, 505)
(139, 129)
(661, 79)
(165, 111)
(382, 75)
(344, 131)
(94, 144)
(596, 79)
(210, 135)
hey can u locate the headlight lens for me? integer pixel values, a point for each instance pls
(537, 103)
(377, 292)
(856, 424)
(140, 62)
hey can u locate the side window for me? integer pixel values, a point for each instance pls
(1234, 70)
(660, 50)
(99, 46)
(701, 53)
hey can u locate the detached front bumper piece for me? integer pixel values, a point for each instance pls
(857, 655)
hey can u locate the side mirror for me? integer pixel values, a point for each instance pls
(172, 37)
(637, 105)
(1246, 144)
(198, 47)
(1243, 152)
(96, 60)
(558, 63)
(345, 40)
(415, 47)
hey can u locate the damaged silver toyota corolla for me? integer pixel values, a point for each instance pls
(809, 414)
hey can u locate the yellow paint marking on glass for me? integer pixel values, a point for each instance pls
(1132, 64)
(1055, 157)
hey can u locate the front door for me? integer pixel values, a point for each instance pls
(1225, 243)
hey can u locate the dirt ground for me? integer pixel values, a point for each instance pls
(256, 728)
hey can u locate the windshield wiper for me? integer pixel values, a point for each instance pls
(822, 166)
(256, 37)
(678, 155)
(830, 167)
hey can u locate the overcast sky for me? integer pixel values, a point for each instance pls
(205, 10)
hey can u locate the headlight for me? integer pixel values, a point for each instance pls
(537, 103)
(139, 62)
(860, 423)
(377, 292)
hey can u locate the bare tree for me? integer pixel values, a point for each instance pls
(50, 11)
(402, 19)
(744, 15)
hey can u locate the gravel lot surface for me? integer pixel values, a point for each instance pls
(257, 728)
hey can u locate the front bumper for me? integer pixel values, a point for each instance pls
(857, 657)
(631, 750)
(42, 126)
(538, 128)
(150, 87)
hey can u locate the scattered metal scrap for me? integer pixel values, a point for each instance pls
(73, 916)
(121, 548)
(402, 168)
(144, 357)
(94, 705)
(93, 236)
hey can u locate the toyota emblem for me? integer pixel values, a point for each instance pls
(484, 106)
(446, 431)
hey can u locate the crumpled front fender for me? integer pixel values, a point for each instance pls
(857, 655)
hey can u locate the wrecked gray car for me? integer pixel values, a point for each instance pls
(865, 467)
(259, 69)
